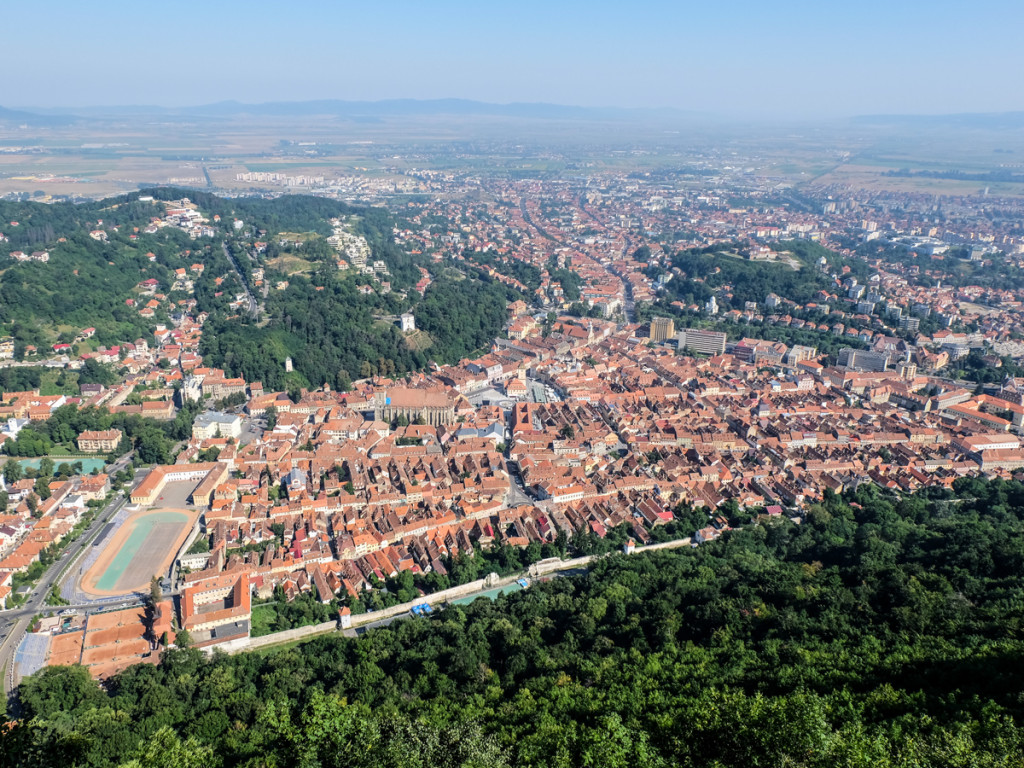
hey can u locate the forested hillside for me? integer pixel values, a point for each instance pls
(328, 333)
(332, 323)
(753, 280)
(880, 632)
(88, 282)
(329, 330)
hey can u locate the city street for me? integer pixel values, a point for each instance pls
(14, 622)
(517, 493)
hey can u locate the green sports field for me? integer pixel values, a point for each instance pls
(143, 553)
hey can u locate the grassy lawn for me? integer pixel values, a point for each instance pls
(48, 382)
(268, 650)
(418, 340)
(263, 618)
(299, 237)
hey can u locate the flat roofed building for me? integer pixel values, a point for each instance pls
(213, 423)
(703, 342)
(798, 353)
(863, 360)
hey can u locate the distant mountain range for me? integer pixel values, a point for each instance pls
(411, 108)
(38, 119)
(423, 108)
(352, 110)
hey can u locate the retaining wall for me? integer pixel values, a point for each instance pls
(358, 620)
(480, 585)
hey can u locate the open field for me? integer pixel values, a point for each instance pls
(48, 382)
(263, 617)
(142, 547)
(118, 153)
(419, 340)
(970, 308)
(870, 177)
(108, 156)
(291, 265)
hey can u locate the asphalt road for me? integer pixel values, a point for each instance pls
(234, 264)
(629, 307)
(121, 463)
(14, 623)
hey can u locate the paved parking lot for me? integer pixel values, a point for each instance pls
(176, 495)
(251, 429)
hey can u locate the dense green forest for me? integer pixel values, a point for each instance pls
(328, 333)
(41, 224)
(328, 324)
(20, 379)
(85, 283)
(463, 317)
(288, 213)
(527, 274)
(879, 632)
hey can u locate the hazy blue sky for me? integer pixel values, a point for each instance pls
(771, 57)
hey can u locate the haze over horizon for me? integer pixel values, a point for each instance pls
(741, 60)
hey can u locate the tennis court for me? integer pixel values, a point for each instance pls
(66, 649)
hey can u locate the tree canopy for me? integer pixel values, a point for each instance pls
(882, 631)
